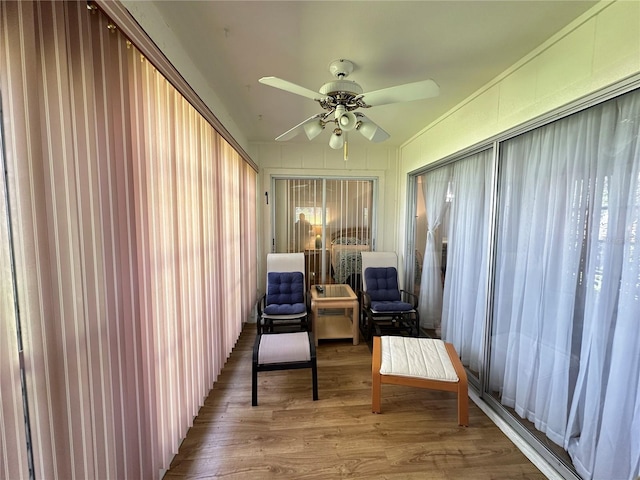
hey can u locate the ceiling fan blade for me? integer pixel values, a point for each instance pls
(289, 134)
(371, 130)
(290, 87)
(402, 93)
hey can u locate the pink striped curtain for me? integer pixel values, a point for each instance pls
(133, 235)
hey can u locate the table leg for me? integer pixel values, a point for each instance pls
(355, 324)
(314, 326)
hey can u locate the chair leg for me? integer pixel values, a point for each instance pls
(254, 372)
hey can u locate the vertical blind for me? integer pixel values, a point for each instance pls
(339, 213)
(132, 222)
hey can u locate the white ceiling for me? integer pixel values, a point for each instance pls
(461, 45)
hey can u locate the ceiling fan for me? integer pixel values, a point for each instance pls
(342, 98)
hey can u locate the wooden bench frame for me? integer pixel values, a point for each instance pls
(460, 387)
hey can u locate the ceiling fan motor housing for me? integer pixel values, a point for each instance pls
(336, 87)
(341, 91)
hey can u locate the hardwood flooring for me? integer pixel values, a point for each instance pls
(289, 436)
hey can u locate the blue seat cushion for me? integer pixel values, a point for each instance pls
(382, 284)
(285, 293)
(391, 307)
(285, 309)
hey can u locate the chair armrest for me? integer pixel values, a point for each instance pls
(261, 303)
(366, 300)
(411, 297)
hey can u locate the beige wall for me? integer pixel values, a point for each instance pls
(599, 49)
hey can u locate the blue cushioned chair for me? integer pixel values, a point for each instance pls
(386, 308)
(284, 305)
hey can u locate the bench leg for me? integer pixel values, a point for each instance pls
(376, 381)
(375, 394)
(463, 388)
(463, 403)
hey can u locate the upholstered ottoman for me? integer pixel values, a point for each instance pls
(418, 362)
(283, 351)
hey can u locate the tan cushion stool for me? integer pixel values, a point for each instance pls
(283, 351)
(418, 362)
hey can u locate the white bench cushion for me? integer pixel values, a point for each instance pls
(416, 357)
(284, 347)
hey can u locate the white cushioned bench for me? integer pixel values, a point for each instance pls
(418, 362)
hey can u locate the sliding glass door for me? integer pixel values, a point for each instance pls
(452, 252)
(330, 220)
(565, 342)
(533, 273)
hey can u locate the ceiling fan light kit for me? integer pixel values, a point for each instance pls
(346, 120)
(313, 129)
(341, 98)
(368, 130)
(336, 141)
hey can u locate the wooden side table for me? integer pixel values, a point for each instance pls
(334, 313)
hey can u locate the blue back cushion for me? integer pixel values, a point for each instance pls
(285, 288)
(382, 284)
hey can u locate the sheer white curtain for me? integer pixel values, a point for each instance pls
(603, 437)
(465, 289)
(565, 349)
(434, 189)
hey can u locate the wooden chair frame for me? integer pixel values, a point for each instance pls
(460, 387)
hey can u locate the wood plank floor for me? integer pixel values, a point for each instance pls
(289, 436)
